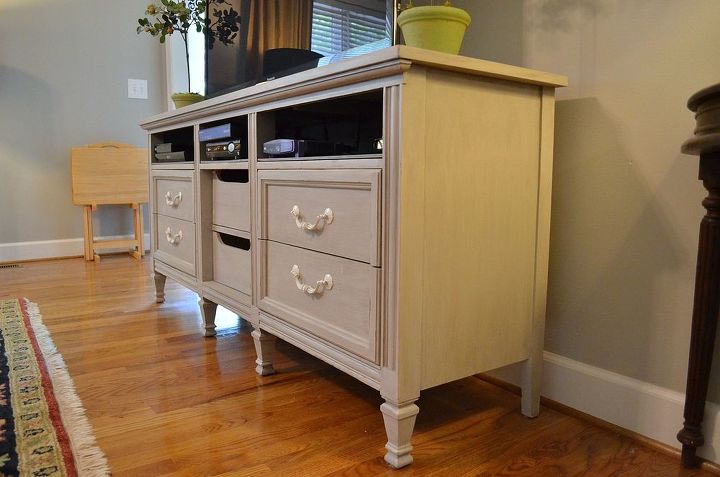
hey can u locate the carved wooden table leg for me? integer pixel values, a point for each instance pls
(706, 143)
(159, 287)
(705, 313)
(208, 310)
(264, 347)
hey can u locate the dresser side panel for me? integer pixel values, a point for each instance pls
(481, 188)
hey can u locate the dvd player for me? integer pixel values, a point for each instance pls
(298, 148)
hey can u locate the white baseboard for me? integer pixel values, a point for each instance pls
(20, 251)
(635, 405)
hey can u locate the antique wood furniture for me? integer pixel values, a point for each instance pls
(706, 144)
(110, 173)
(406, 267)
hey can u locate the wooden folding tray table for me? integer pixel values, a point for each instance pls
(110, 173)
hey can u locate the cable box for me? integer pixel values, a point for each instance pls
(170, 156)
(163, 147)
(298, 148)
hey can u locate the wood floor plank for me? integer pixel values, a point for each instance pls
(165, 401)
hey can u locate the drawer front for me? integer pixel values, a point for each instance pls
(344, 313)
(174, 197)
(231, 261)
(175, 243)
(335, 212)
(231, 199)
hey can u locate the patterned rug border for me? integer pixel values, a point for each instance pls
(89, 460)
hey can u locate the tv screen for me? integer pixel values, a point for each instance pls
(280, 37)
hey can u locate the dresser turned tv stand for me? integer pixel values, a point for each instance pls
(414, 255)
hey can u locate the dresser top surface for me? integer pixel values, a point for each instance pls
(385, 62)
(475, 66)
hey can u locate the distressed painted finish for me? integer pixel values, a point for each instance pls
(407, 270)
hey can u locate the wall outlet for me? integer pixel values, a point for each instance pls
(137, 89)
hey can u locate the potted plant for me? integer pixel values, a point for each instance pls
(434, 27)
(171, 16)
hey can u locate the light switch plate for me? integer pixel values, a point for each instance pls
(137, 89)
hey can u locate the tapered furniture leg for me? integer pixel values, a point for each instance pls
(208, 310)
(159, 287)
(264, 347)
(705, 143)
(530, 386)
(399, 424)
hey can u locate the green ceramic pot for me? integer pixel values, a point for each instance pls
(186, 99)
(439, 28)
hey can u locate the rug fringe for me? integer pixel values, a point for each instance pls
(89, 459)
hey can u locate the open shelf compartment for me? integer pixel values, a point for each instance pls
(346, 127)
(173, 147)
(224, 140)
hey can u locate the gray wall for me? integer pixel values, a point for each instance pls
(64, 66)
(626, 202)
(496, 30)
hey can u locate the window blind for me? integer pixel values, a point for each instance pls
(336, 28)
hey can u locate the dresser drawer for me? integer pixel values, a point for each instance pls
(341, 309)
(335, 212)
(231, 199)
(174, 195)
(175, 243)
(231, 261)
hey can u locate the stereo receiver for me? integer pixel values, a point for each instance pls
(223, 150)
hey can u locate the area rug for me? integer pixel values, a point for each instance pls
(43, 427)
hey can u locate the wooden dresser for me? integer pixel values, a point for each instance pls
(414, 255)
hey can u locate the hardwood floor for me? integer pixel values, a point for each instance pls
(163, 400)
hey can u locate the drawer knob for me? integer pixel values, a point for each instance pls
(320, 286)
(173, 201)
(320, 221)
(173, 239)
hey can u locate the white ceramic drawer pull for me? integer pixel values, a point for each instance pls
(320, 221)
(320, 286)
(173, 239)
(173, 201)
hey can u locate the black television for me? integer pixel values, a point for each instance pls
(281, 37)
